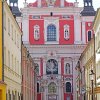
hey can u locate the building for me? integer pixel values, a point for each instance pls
(12, 54)
(96, 28)
(84, 66)
(55, 33)
(29, 90)
(2, 84)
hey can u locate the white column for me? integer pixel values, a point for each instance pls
(59, 66)
(75, 60)
(77, 29)
(25, 28)
(62, 3)
(83, 33)
(39, 3)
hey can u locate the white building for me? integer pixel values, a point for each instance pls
(12, 55)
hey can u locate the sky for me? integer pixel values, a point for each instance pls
(96, 3)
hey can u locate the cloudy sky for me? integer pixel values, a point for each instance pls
(96, 3)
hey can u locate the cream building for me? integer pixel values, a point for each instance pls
(12, 55)
(96, 28)
(87, 63)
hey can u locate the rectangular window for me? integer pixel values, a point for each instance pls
(12, 31)
(15, 64)
(15, 37)
(8, 58)
(4, 55)
(4, 20)
(8, 26)
(12, 62)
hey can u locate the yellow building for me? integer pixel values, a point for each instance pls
(2, 84)
(12, 54)
(87, 63)
(96, 28)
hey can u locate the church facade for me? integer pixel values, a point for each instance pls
(56, 32)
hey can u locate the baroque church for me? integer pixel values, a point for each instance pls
(55, 33)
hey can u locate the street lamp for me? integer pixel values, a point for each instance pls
(92, 79)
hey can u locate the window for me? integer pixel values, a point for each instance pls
(66, 32)
(4, 20)
(68, 87)
(51, 33)
(8, 58)
(52, 67)
(4, 55)
(37, 69)
(15, 37)
(67, 68)
(38, 87)
(12, 61)
(8, 26)
(12, 31)
(52, 88)
(36, 32)
(89, 35)
(15, 64)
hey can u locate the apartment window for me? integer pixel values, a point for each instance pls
(18, 67)
(15, 37)
(12, 31)
(12, 62)
(8, 58)
(4, 20)
(15, 64)
(4, 55)
(8, 26)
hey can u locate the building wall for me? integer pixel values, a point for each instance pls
(28, 76)
(87, 62)
(62, 50)
(2, 84)
(96, 28)
(12, 55)
(1, 41)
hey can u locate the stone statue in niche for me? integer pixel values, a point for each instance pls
(67, 68)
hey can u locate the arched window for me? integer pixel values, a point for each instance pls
(38, 87)
(52, 67)
(51, 33)
(89, 35)
(66, 32)
(68, 87)
(36, 32)
(52, 88)
(67, 68)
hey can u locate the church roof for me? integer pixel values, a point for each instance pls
(44, 3)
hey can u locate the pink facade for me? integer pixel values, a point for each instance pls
(55, 33)
(28, 76)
